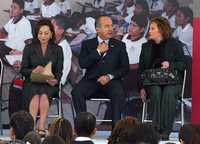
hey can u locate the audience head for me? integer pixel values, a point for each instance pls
(184, 15)
(171, 6)
(159, 29)
(141, 6)
(44, 31)
(104, 27)
(20, 124)
(143, 133)
(185, 133)
(121, 130)
(17, 8)
(85, 124)
(61, 127)
(138, 25)
(77, 20)
(32, 137)
(53, 140)
(59, 25)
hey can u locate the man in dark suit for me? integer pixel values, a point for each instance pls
(85, 128)
(106, 61)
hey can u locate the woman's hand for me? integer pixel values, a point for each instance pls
(38, 69)
(165, 64)
(143, 94)
(52, 82)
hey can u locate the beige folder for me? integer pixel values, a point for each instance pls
(44, 76)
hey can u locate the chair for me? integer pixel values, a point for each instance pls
(58, 101)
(183, 101)
(1, 83)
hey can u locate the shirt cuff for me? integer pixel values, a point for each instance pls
(110, 76)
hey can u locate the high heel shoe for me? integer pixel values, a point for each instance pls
(41, 132)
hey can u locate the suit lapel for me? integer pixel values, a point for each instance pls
(38, 51)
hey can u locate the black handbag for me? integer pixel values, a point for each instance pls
(160, 76)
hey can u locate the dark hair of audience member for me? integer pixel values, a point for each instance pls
(85, 124)
(195, 139)
(32, 137)
(120, 132)
(163, 26)
(174, 3)
(63, 128)
(186, 132)
(144, 5)
(140, 19)
(53, 140)
(143, 133)
(21, 122)
(44, 22)
(76, 20)
(19, 2)
(62, 21)
(187, 12)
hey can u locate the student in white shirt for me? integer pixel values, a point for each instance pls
(141, 6)
(31, 7)
(65, 7)
(170, 8)
(50, 9)
(134, 40)
(184, 31)
(18, 30)
(99, 3)
(59, 27)
(156, 7)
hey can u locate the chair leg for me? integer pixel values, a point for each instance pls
(143, 111)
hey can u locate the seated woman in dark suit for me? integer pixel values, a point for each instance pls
(36, 55)
(167, 53)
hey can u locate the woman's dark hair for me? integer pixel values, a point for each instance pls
(63, 128)
(163, 26)
(187, 12)
(53, 140)
(44, 22)
(121, 130)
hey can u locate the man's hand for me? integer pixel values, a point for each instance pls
(143, 94)
(102, 48)
(52, 82)
(104, 79)
(165, 64)
(38, 69)
(15, 52)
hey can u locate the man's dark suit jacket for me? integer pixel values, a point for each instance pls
(115, 62)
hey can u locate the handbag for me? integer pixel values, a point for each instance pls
(160, 76)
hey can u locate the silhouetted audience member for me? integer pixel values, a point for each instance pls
(63, 128)
(84, 125)
(143, 133)
(53, 140)
(120, 134)
(185, 133)
(20, 124)
(32, 137)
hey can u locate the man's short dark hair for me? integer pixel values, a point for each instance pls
(84, 124)
(98, 20)
(141, 20)
(22, 122)
(19, 2)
